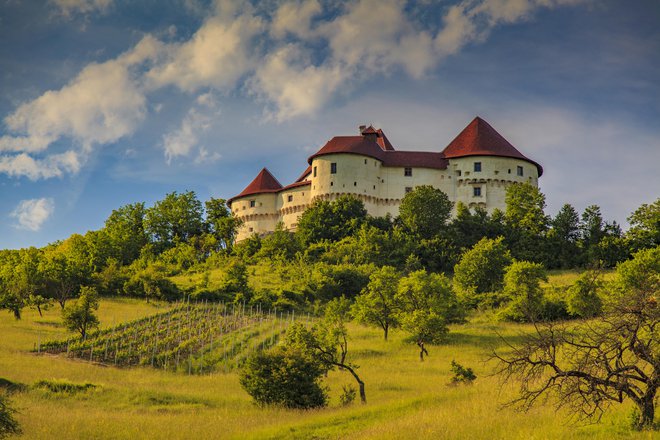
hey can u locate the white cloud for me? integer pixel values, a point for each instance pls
(295, 18)
(54, 165)
(32, 213)
(217, 55)
(67, 7)
(296, 87)
(198, 120)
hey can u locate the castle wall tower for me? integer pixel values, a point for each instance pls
(475, 169)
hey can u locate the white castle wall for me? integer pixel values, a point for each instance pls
(381, 188)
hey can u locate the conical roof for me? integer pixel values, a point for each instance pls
(480, 139)
(264, 182)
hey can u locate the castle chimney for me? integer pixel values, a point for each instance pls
(362, 128)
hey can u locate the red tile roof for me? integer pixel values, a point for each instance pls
(362, 145)
(265, 182)
(418, 159)
(305, 173)
(480, 139)
(383, 141)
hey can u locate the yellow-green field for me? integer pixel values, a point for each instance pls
(406, 398)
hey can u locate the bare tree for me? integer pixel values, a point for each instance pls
(591, 365)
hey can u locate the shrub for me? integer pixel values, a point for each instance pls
(348, 395)
(8, 425)
(461, 374)
(284, 377)
(63, 386)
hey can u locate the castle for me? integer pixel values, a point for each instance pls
(475, 168)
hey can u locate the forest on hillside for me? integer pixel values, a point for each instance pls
(334, 251)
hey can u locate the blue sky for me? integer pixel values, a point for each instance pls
(107, 102)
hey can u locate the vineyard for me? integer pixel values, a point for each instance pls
(188, 338)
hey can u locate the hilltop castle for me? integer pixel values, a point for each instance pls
(475, 168)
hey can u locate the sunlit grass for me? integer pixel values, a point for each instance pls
(407, 399)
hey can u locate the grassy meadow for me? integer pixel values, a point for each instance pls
(407, 399)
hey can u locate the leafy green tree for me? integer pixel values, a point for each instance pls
(564, 237)
(152, 283)
(522, 287)
(284, 376)
(611, 359)
(525, 206)
(481, 271)
(8, 424)
(20, 279)
(176, 218)
(427, 305)
(331, 221)
(81, 316)
(281, 244)
(327, 342)
(221, 223)
(376, 305)
(126, 233)
(644, 229)
(236, 281)
(526, 222)
(592, 231)
(468, 227)
(66, 267)
(583, 297)
(425, 211)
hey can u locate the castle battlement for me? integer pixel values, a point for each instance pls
(475, 168)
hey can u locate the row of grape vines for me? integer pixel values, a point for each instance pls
(190, 338)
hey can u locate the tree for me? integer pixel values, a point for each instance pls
(126, 233)
(427, 304)
(564, 238)
(221, 222)
(524, 208)
(522, 288)
(481, 270)
(644, 229)
(178, 217)
(328, 341)
(281, 244)
(8, 425)
(80, 316)
(467, 228)
(20, 279)
(284, 376)
(65, 267)
(590, 366)
(331, 221)
(425, 211)
(583, 297)
(376, 305)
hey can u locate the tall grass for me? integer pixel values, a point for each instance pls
(407, 399)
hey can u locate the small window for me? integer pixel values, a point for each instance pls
(408, 189)
(290, 198)
(407, 171)
(509, 170)
(520, 170)
(354, 183)
(314, 171)
(365, 161)
(332, 183)
(374, 186)
(476, 191)
(333, 168)
(477, 167)
(251, 229)
(458, 173)
(253, 203)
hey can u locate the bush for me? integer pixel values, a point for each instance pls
(63, 386)
(284, 377)
(461, 374)
(348, 395)
(8, 425)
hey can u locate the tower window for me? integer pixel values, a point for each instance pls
(290, 198)
(314, 171)
(253, 203)
(354, 183)
(365, 161)
(520, 170)
(332, 183)
(509, 170)
(476, 191)
(477, 167)
(333, 168)
(407, 171)
(458, 173)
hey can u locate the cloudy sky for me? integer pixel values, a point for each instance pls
(106, 102)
